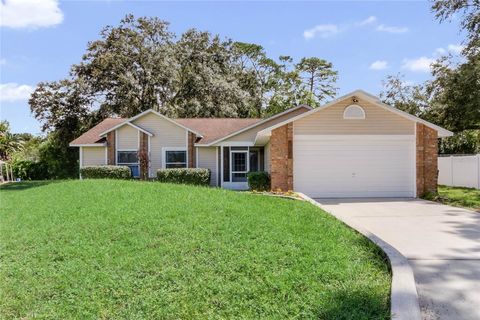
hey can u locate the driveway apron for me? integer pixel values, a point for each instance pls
(442, 244)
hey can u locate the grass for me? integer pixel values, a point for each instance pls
(104, 249)
(459, 196)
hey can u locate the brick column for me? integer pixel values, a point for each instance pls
(427, 162)
(111, 148)
(191, 150)
(281, 158)
(144, 156)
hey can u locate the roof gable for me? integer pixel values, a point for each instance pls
(92, 136)
(127, 122)
(264, 122)
(151, 111)
(213, 129)
(372, 99)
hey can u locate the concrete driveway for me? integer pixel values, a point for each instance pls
(442, 244)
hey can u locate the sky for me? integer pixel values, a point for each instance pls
(365, 40)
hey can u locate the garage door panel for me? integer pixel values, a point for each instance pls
(329, 167)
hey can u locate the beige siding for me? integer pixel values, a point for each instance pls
(127, 138)
(207, 158)
(165, 134)
(378, 121)
(250, 134)
(267, 157)
(93, 156)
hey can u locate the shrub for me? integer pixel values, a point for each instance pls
(432, 196)
(106, 172)
(195, 176)
(463, 142)
(30, 170)
(60, 159)
(258, 180)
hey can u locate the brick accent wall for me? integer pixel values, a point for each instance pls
(192, 160)
(427, 165)
(111, 148)
(281, 158)
(144, 163)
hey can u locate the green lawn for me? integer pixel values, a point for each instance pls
(461, 197)
(102, 249)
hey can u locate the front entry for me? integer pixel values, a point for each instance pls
(239, 165)
(237, 162)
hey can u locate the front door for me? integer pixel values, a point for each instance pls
(239, 165)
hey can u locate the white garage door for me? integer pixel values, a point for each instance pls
(354, 166)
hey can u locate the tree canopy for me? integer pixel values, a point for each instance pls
(140, 64)
(9, 142)
(469, 12)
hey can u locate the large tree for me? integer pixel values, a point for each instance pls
(455, 87)
(319, 79)
(206, 79)
(130, 68)
(456, 83)
(455, 91)
(64, 109)
(258, 74)
(409, 98)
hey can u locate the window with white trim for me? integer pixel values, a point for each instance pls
(175, 158)
(354, 112)
(129, 158)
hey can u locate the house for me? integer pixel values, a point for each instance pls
(354, 146)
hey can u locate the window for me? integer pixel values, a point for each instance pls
(175, 159)
(129, 159)
(354, 112)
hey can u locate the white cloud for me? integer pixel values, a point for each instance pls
(322, 31)
(329, 30)
(391, 29)
(421, 64)
(379, 65)
(455, 48)
(30, 13)
(439, 52)
(369, 20)
(451, 48)
(13, 92)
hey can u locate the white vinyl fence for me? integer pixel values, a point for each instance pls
(459, 171)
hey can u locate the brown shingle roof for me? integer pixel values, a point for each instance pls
(211, 128)
(215, 128)
(92, 135)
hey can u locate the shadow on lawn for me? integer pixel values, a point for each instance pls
(18, 186)
(360, 303)
(357, 304)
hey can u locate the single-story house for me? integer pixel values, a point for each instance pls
(354, 146)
